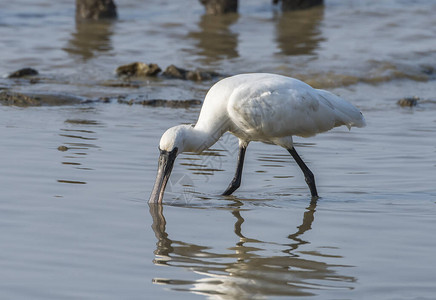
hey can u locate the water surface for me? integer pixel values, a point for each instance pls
(75, 179)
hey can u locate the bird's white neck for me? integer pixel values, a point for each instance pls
(188, 138)
(197, 139)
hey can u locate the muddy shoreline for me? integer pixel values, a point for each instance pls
(40, 99)
(138, 75)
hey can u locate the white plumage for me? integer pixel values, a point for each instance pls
(258, 107)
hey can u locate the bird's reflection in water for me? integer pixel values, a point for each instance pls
(90, 38)
(245, 272)
(298, 32)
(308, 218)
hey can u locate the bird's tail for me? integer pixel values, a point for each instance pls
(346, 113)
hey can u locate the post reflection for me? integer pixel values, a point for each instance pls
(245, 272)
(89, 38)
(298, 32)
(214, 39)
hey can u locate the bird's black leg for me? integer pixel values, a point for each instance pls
(308, 175)
(236, 181)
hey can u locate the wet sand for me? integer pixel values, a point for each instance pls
(75, 178)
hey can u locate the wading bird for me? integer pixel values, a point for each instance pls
(256, 107)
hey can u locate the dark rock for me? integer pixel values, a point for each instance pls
(19, 99)
(116, 84)
(219, 7)
(138, 69)
(95, 9)
(196, 75)
(62, 148)
(408, 101)
(23, 72)
(9, 98)
(34, 80)
(174, 72)
(82, 122)
(298, 4)
(163, 103)
(428, 70)
(105, 100)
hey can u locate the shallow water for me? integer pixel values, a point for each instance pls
(76, 223)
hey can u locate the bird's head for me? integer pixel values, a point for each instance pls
(174, 141)
(176, 137)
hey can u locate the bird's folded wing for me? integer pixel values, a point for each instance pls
(290, 111)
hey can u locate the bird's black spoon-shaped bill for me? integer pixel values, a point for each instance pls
(165, 166)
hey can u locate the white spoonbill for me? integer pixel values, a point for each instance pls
(256, 107)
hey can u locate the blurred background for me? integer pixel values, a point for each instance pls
(80, 125)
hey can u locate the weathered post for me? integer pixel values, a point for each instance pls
(298, 4)
(95, 9)
(219, 7)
